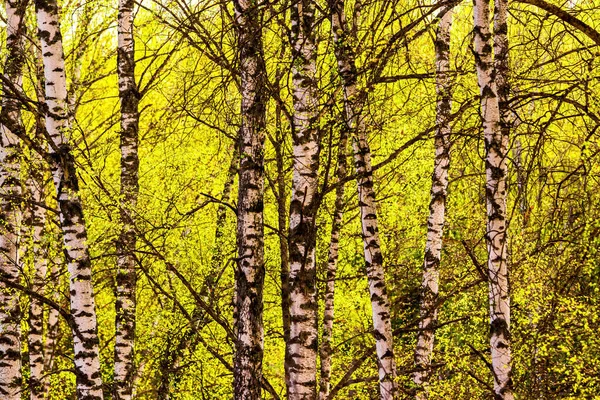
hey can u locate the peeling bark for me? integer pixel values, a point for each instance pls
(380, 306)
(10, 190)
(301, 348)
(126, 275)
(64, 174)
(250, 273)
(496, 173)
(437, 209)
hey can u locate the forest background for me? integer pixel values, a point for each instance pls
(190, 78)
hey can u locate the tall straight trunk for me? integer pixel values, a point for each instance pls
(40, 264)
(301, 348)
(41, 359)
(496, 194)
(326, 351)
(496, 172)
(282, 224)
(52, 328)
(250, 274)
(64, 174)
(437, 207)
(126, 274)
(380, 306)
(37, 187)
(280, 190)
(10, 190)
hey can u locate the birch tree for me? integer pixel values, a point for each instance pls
(250, 273)
(326, 349)
(41, 352)
(496, 144)
(126, 274)
(437, 206)
(35, 338)
(367, 201)
(10, 190)
(64, 174)
(301, 347)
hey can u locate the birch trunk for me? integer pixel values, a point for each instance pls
(126, 275)
(326, 351)
(52, 330)
(496, 173)
(10, 190)
(380, 306)
(301, 348)
(279, 188)
(36, 309)
(41, 246)
(40, 384)
(250, 274)
(85, 338)
(437, 208)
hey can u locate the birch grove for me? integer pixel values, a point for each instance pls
(299, 200)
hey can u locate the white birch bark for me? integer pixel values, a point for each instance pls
(496, 173)
(301, 348)
(52, 328)
(10, 191)
(437, 209)
(380, 306)
(85, 338)
(250, 274)
(40, 384)
(126, 274)
(326, 349)
(40, 264)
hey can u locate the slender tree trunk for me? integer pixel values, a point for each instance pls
(41, 250)
(126, 274)
(437, 207)
(85, 337)
(10, 190)
(282, 220)
(496, 173)
(52, 327)
(326, 351)
(280, 190)
(219, 255)
(40, 265)
(301, 348)
(380, 306)
(250, 273)
(37, 188)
